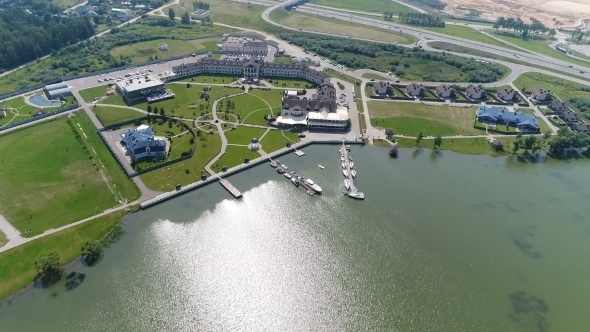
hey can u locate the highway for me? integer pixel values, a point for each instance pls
(529, 57)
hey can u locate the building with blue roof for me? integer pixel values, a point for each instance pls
(498, 116)
(142, 143)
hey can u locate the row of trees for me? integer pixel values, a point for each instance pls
(422, 19)
(568, 142)
(518, 26)
(200, 5)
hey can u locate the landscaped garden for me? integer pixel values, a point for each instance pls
(277, 139)
(109, 115)
(234, 156)
(37, 195)
(243, 135)
(96, 92)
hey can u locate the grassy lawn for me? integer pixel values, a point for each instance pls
(234, 156)
(250, 108)
(376, 77)
(412, 118)
(467, 33)
(165, 178)
(338, 27)
(208, 44)
(237, 14)
(179, 10)
(217, 79)
(38, 195)
(144, 51)
(124, 188)
(17, 265)
(3, 239)
(277, 139)
(290, 82)
(540, 46)
(477, 145)
(378, 6)
(115, 99)
(110, 115)
(283, 59)
(243, 135)
(563, 89)
(98, 91)
(18, 106)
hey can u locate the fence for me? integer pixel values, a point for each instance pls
(37, 118)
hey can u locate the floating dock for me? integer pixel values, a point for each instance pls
(230, 187)
(299, 153)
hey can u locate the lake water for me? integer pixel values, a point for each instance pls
(442, 243)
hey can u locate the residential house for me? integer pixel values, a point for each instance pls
(389, 132)
(540, 94)
(570, 116)
(506, 94)
(581, 127)
(415, 89)
(381, 87)
(497, 116)
(444, 91)
(558, 106)
(497, 145)
(142, 143)
(474, 92)
(121, 14)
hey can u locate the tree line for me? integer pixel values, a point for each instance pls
(25, 37)
(364, 54)
(200, 5)
(421, 19)
(524, 29)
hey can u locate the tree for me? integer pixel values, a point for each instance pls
(171, 14)
(162, 111)
(418, 139)
(91, 251)
(149, 108)
(437, 141)
(516, 146)
(185, 18)
(529, 143)
(552, 32)
(47, 263)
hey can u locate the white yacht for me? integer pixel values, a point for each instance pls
(347, 184)
(342, 158)
(345, 172)
(320, 166)
(343, 165)
(351, 164)
(287, 175)
(285, 167)
(356, 194)
(353, 173)
(313, 186)
(350, 157)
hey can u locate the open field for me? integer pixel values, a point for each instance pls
(38, 195)
(148, 50)
(377, 6)
(338, 27)
(467, 33)
(109, 115)
(476, 145)
(165, 178)
(234, 156)
(411, 118)
(237, 14)
(207, 44)
(179, 9)
(243, 135)
(17, 268)
(563, 89)
(277, 139)
(98, 91)
(123, 187)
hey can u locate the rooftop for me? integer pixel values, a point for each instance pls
(139, 82)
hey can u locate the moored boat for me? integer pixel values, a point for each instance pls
(345, 172)
(295, 181)
(350, 157)
(356, 194)
(343, 165)
(273, 164)
(320, 166)
(280, 170)
(285, 167)
(287, 175)
(313, 186)
(353, 173)
(351, 164)
(347, 184)
(342, 158)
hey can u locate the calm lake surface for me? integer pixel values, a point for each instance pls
(442, 243)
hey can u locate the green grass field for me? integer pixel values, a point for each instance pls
(377, 6)
(250, 108)
(109, 115)
(179, 10)
(216, 79)
(291, 82)
(283, 59)
(38, 195)
(476, 145)
(234, 156)
(208, 44)
(468, 33)
(98, 91)
(412, 118)
(559, 87)
(141, 52)
(277, 139)
(338, 27)
(17, 268)
(165, 178)
(243, 135)
(372, 76)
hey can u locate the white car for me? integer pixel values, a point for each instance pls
(99, 81)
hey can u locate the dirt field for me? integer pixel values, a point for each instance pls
(553, 13)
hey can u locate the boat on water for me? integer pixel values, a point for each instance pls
(356, 194)
(320, 166)
(347, 147)
(287, 175)
(347, 184)
(353, 173)
(280, 170)
(273, 164)
(343, 165)
(313, 186)
(295, 175)
(342, 158)
(295, 181)
(350, 157)
(310, 192)
(285, 167)
(345, 172)
(351, 164)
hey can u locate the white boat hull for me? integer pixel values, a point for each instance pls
(353, 173)
(345, 172)
(320, 166)
(343, 165)
(287, 175)
(347, 184)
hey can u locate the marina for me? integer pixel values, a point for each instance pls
(349, 173)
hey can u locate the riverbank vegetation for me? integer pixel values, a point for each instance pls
(17, 265)
(410, 64)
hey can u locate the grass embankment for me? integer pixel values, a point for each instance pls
(476, 145)
(377, 6)
(338, 27)
(48, 179)
(412, 118)
(17, 268)
(109, 115)
(372, 76)
(165, 178)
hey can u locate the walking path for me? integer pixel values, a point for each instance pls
(12, 234)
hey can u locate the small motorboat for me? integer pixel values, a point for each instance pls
(310, 192)
(343, 165)
(320, 166)
(347, 147)
(342, 158)
(295, 181)
(273, 164)
(287, 175)
(295, 175)
(351, 164)
(345, 172)
(356, 194)
(285, 167)
(280, 170)
(347, 184)
(350, 158)
(353, 173)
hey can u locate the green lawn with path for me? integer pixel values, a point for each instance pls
(243, 135)
(179, 140)
(411, 118)
(109, 115)
(17, 265)
(96, 92)
(250, 108)
(277, 139)
(165, 178)
(290, 82)
(38, 195)
(234, 156)
(149, 50)
(211, 79)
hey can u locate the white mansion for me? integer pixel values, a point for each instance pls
(253, 68)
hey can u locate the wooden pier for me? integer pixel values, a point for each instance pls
(232, 190)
